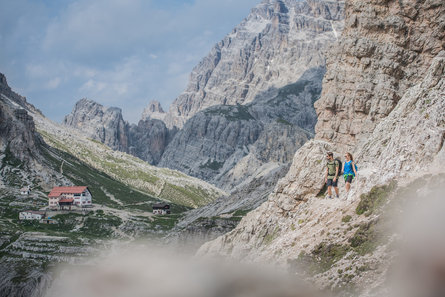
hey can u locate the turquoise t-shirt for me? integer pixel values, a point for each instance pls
(348, 169)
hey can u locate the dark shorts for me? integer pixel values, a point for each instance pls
(348, 178)
(331, 183)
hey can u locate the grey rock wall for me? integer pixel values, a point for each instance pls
(272, 47)
(100, 123)
(230, 144)
(147, 140)
(385, 49)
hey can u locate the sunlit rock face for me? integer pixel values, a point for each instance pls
(272, 47)
(386, 48)
(100, 123)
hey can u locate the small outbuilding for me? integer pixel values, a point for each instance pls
(25, 191)
(31, 215)
(161, 208)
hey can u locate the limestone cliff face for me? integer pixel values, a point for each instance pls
(17, 130)
(272, 47)
(384, 94)
(100, 123)
(385, 49)
(231, 145)
(147, 140)
(22, 158)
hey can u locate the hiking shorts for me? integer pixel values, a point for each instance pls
(349, 178)
(331, 183)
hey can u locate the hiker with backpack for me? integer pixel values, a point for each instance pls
(333, 168)
(349, 170)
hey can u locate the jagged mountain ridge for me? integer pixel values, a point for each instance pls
(231, 145)
(390, 139)
(147, 140)
(227, 136)
(153, 111)
(103, 124)
(271, 48)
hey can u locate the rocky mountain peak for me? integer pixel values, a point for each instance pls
(7, 92)
(146, 140)
(100, 123)
(153, 111)
(3, 79)
(272, 47)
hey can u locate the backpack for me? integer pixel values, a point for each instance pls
(340, 167)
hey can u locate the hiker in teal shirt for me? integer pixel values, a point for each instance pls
(349, 170)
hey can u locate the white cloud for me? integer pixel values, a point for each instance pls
(53, 83)
(116, 52)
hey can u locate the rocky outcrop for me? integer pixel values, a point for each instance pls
(397, 124)
(153, 111)
(272, 47)
(147, 140)
(385, 49)
(230, 145)
(18, 136)
(100, 123)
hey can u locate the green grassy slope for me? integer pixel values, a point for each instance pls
(163, 183)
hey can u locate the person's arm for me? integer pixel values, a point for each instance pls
(326, 175)
(353, 168)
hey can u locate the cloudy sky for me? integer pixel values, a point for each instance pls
(120, 53)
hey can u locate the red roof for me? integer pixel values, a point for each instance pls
(66, 200)
(57, 191)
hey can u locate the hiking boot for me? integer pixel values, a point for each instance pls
(329, 197)
(337, 196)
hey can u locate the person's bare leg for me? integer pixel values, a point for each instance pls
(330, 190)
(348, 185)
(336, 191)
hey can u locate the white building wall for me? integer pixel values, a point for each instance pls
(53, 202)
(87, 199)
(24, 215)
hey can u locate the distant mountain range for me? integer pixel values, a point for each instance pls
(248, 106)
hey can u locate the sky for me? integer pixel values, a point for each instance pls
(121, 53)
